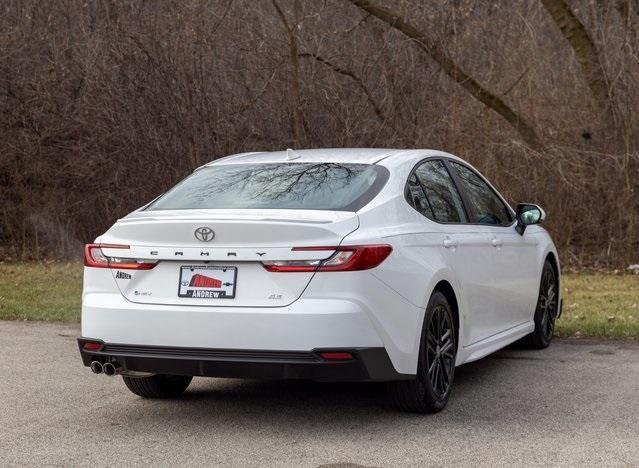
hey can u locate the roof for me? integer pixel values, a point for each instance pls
(351, 155)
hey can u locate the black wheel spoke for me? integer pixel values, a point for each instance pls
(431, 343)
(431, 369)
(435, 374)
(547, 305)
(440, 351)
(446, 373)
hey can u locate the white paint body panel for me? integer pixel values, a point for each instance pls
(493, 271)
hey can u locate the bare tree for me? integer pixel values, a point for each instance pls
(449, 66)
(585, 51)
(106, 104)
(297, 117)
(358, 81)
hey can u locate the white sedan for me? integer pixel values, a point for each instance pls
(328, 265)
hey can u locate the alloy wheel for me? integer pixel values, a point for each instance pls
(440, 351)
(548, 303)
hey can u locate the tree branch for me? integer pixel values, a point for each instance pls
(352, 76)
(448, 65)
(585, 51)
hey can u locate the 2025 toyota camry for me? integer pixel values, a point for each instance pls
(328, 265)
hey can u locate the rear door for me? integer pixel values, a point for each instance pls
(466, 248)
(513, 258)
(225, 268)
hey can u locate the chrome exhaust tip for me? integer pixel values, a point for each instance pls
(110, 369)
(96, 367)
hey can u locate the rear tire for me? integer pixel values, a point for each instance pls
(546, 311)
(158, 386)
(430, 390)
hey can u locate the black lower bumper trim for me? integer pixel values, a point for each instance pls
(368, 364)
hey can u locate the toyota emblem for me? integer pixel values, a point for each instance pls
(204, 234)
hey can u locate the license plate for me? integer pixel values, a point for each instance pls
(207, 282)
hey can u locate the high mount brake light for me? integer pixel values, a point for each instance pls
(94, 257)
(344, 258)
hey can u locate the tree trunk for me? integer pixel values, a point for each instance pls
(448, 65)
(295, 107)
(585, 51)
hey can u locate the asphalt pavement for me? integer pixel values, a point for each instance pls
(574, 404)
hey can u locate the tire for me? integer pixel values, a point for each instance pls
(158, 386)
(429, 391)
(546, 310)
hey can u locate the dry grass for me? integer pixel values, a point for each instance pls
(600, 305)
(40, 291)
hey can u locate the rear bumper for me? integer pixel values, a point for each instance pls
(368, 364)
(325, 317)
(301, 326)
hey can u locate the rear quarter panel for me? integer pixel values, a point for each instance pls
(416, 264)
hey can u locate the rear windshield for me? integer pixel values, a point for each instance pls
(304, 186)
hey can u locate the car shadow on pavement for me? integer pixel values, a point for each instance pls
(297, 398)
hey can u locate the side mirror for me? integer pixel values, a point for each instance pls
(528, 214)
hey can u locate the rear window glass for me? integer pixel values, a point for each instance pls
(305, 186)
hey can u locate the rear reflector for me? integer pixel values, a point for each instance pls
(344, 258)
(336, 356)
(92, 346)
(95, 257)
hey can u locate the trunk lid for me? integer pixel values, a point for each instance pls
(226, 255)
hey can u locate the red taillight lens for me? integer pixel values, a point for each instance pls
(92, 346)
(355, 258)
(336, 356)
(95, 257)
(291, 266)
(345, 258)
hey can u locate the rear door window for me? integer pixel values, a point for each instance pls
(417, 197)
(444, 200)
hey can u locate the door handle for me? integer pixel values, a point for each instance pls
(496, 242)
(450, 243)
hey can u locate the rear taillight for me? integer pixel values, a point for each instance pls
(96, 258)
(290, 266)
(344, 258)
